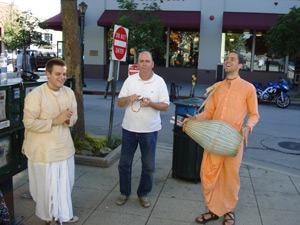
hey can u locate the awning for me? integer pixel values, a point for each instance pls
(55, 22)
(176, 19)
(251, 21)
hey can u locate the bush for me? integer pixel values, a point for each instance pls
(93, 144)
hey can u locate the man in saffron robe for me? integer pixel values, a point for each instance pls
(230, 102)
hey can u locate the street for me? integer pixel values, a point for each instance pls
(275, 125)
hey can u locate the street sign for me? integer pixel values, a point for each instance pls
(133, 69)
(120, 40)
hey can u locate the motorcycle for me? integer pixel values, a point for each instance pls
(275, 91)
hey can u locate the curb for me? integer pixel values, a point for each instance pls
(104, 162)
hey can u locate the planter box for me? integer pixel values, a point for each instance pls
(105, 162)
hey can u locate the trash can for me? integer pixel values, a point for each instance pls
(187, 154)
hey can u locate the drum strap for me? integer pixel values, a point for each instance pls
(209, 90)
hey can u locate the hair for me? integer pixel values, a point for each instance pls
(145, 52)
(240, 57)
(54, 62)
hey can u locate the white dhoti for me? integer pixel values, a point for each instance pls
(50, 185)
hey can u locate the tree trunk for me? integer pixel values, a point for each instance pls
(71, 35)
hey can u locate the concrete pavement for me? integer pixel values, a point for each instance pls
(267, 196)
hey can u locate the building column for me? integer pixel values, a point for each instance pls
(210, 34)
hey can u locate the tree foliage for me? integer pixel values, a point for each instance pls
(145, 27)
(20, 30)
(284, 37)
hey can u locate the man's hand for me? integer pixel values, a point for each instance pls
(134, 97)
(64, 116)
(145, 102)
(246, 131)
(185, 121)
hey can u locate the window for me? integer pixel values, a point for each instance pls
(47, 37)
(184, 47)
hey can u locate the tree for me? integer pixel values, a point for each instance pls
(71, 35)
(284, 37)
(145, 27)
(20, 32)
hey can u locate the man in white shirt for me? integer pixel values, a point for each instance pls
(19, 63)
(144, 95)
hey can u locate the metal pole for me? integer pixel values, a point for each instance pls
(253, 51)
(113, 95)
(82, 49)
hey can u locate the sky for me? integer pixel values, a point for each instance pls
(39, 8)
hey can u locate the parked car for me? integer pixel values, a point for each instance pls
(41, 57)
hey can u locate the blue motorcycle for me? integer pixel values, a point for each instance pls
(275, 91)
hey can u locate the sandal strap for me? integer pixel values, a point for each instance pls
(205, 220)
(231, 217)
(212, 216)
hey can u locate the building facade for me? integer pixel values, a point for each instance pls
(198, 34)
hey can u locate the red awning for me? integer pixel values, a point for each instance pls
(55, 22)
(251, 21)
(176, 19)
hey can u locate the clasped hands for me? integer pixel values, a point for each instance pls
(144, 102)
(64, 117)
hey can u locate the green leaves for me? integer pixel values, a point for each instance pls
(145, 27)
(284, 37)
(20, 31)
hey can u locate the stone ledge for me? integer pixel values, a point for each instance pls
(105, 162)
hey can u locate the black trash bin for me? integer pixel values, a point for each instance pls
(187, 154)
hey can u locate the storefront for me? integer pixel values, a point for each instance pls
(197, 36)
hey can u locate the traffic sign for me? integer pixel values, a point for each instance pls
(133, 69)
(120, 40)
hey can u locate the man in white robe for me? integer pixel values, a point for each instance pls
(49, 111)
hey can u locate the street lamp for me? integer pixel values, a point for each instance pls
(82, 8)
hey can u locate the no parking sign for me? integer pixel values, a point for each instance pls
(120, 40)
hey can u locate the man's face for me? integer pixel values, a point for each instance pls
(232, 64)
(145, 63)
(57, 78)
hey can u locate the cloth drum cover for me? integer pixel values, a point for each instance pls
(216, 137)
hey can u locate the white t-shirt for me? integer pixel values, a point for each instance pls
(19, 59)
(147, 119)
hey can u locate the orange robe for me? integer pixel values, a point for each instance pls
(220, 174)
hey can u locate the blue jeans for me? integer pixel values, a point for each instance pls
(130, 141)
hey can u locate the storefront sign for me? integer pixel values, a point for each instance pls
(120, 43)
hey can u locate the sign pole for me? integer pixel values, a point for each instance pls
(119, 49)
(113, 96)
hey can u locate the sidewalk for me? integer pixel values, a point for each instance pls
(265, 198)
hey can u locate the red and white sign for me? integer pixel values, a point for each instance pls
(120, 43)
(133, 69)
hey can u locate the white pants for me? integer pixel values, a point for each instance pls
(50, 185)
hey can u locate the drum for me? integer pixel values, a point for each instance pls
(216, 137)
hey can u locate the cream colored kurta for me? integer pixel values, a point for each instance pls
(44, 142)
(220, 174)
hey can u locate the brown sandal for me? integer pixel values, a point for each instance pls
(231, 218)
(212, 217)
